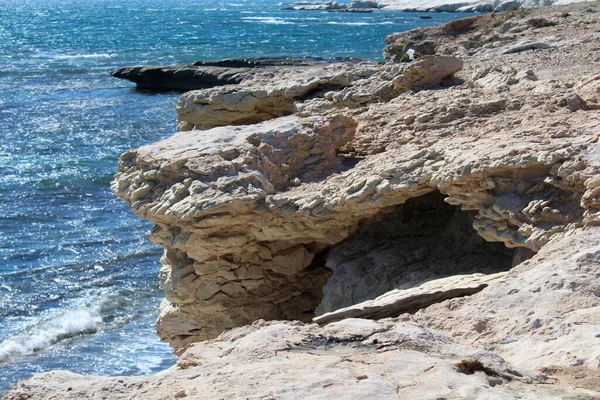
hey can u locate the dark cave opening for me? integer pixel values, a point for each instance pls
(422, 240)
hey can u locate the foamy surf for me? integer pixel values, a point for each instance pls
(44, 334)
(268, 20)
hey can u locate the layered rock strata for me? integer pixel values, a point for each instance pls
(248, 214)
(467, 212)
(263, 96)
(207, 74)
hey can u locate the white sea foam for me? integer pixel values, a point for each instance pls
(77, 56)
(269, 20)
(147, 364)
(350, 23)
(46, 333)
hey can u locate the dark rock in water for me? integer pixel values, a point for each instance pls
(181, 78)
(206, 74)
(425, 16)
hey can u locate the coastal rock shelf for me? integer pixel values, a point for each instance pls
(207, 74)
(469, 6)
(269, 94)
(451, 203)
(353, 359)
(253, 217)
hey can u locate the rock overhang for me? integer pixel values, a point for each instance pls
(241, 234)
(249, 215)
(511, 152)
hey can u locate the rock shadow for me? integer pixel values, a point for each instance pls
(412, 245)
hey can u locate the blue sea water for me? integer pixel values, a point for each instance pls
(78, 286)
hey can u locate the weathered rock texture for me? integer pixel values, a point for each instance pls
(247, 213)
(262, 97)
(424, 240)
(352, 359)
(207, 74)
(412, 200)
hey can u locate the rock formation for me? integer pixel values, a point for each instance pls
(260, 97)
(354, 359)
(459, 205)
(207, 74)
(465, 5)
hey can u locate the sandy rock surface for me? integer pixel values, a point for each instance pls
(351, 359)
(468, 198)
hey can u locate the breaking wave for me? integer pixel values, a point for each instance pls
(48, 332)
(269, 20)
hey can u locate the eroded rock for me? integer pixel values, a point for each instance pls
(207, 74)
(383, 199)
(418, 296)
(422, 241)
(265, 96)
(245, 212)
(351, 359)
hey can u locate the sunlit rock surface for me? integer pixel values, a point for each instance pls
(459, 215)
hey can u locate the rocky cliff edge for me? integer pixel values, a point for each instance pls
(425, 229)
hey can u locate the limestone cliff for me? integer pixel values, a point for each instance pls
(453, 199)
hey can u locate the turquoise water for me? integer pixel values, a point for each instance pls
(78, 286)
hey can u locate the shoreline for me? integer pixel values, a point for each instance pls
(509, 132)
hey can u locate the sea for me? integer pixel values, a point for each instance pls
(78, 274)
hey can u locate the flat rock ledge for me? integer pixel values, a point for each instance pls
(207, 74)
(351, 359)
(400, 301)
(452, 203)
